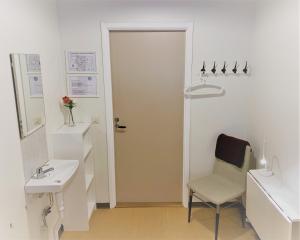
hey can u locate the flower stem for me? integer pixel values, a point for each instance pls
(71, 114)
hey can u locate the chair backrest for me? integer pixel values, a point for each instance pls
(232, 172)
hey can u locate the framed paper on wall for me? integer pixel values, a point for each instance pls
(82, 85)
(33, 63)
(35, 86)
(81, 62)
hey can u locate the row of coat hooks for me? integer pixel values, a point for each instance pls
(225, 70)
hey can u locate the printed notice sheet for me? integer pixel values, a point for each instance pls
(35, 85)
(33, 63)
(82, 85)
(81, 62)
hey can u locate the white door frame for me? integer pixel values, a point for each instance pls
(105, 29)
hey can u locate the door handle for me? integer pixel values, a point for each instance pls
(117, 125)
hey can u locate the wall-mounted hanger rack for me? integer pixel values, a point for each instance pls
(224, 71)
(194, 91)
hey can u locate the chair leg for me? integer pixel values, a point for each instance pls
(242, 212)
(190, 205)
(217, 222)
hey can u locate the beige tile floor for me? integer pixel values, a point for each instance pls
(162, 223)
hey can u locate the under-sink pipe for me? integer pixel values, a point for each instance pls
(60, 207)
(60, 203)
(47, 210)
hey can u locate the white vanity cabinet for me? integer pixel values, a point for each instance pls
(79, 196)
(271, 208)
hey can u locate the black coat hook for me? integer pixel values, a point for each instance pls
(223, 70)
(245, 70)
(203, 70)
(234, 70)
(214, 69)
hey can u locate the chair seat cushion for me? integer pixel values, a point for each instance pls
(216, 189)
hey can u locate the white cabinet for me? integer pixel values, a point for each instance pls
(79, 196)
(271, 208)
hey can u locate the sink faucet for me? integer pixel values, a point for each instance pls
(40, 173)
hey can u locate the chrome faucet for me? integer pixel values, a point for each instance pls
(40, 173)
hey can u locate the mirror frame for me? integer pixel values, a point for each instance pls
(17, 101)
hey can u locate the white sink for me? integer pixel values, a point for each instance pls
(53, 181)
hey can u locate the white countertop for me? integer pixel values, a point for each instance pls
(286, 200)
(79, 128)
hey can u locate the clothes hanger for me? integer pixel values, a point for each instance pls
(193, 90)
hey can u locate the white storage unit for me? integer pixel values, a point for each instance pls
(272, 209)
(79, 196)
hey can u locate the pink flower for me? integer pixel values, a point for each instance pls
(66, 100)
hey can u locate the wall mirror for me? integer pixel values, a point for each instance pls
(28, 87)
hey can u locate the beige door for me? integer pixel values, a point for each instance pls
(148, 81)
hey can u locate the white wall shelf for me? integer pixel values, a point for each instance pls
(87, 152)
(80, 196)
(88, 181)
(91, 207)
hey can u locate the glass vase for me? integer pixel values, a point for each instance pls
(71, 122)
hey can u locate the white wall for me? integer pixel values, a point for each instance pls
(275, 92)
(222, 31)
(26, 27)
